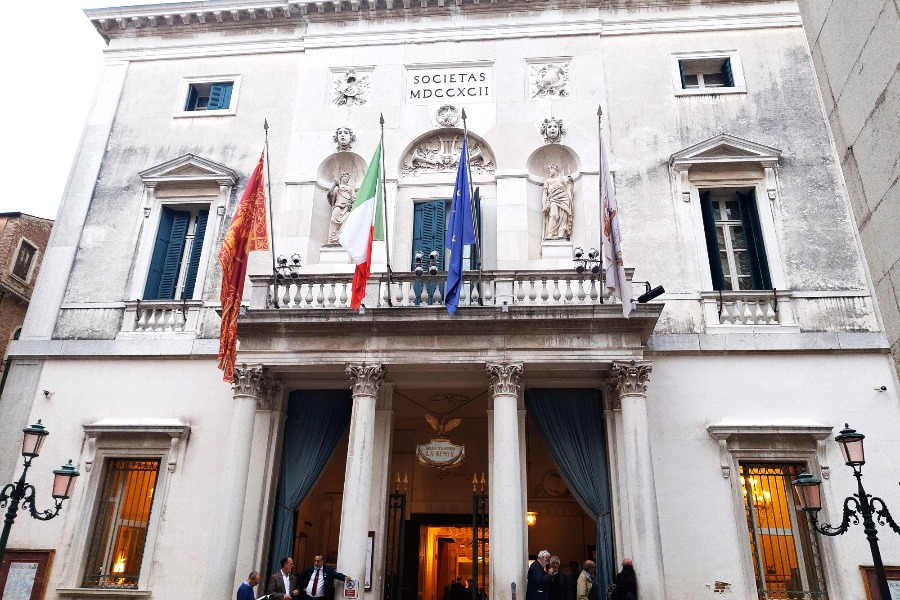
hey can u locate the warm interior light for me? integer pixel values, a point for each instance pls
(531, 517)
(762, 499)
(119, 567)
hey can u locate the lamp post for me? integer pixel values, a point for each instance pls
(859, 504)
(13, 493)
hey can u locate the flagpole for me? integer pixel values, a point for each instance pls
(271, 222)
(472, 205)
(387, 246)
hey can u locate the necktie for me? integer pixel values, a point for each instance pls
(315, 583)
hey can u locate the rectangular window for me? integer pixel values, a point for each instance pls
(24, 258)
(176, 253)
(734, 242)
(785, 552)
(704, 73)
(209, 96)
(116, 549)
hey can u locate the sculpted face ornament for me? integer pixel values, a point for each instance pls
(552, 129)
(344, 138)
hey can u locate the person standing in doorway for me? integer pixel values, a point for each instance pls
(283, 583)
(245, 591)
(585, 588)
(539, 576)
(626, 583)
(317, 581)
(559, 581)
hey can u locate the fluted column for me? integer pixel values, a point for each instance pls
(365, 380)
(507, 514)
(250, 386)
(629, 380)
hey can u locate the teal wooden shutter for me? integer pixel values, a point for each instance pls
(712, 242)
(759, 263)
(219, 96)
(681, 72)
(167, 252)
(190, 278)
(727, 75)
(191, 103)
(429, 226)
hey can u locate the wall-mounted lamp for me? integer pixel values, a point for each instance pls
(285, 270)
(582, 262)
(430, 264)
(650, 294)
(531, 518)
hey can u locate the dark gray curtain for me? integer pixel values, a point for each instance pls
(316, 419)
(571, 423)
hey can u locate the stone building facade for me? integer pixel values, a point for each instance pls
(23, 240)
(858, 71)
(698, 409)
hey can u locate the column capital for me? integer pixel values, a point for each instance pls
(611, 400)
(270, 395)
(629, 378)
(365, 379)
(250, 381)
(504, 378)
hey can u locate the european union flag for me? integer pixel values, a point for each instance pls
(460, 231)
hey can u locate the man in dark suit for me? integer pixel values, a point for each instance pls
(539, 578)
(283, 583)
(245, 591)
(317, 581)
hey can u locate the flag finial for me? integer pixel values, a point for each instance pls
(266, 125)
(381, 119)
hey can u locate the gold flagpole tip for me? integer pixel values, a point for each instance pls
(266, 125)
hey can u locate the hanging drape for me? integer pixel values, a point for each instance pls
(316, 419)
(571, 424)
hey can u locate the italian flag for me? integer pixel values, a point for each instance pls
(365, 223)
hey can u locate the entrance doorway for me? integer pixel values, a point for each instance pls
(449, 560)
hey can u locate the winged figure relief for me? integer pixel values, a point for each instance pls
(442, 426)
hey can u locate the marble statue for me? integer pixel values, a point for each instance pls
(552, 129)
(557, 201)
(344, 138)
(340, 196)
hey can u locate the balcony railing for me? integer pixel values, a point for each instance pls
(492, 288)
(748, 308)
(160, 316)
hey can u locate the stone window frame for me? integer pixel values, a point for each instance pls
(158, 439)
(34, 259)
(737, 72)
(184, 87)
(797, 443)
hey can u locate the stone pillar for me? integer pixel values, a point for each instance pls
(249, 387)
(615, 442)
(384, 433)
(629, 379)
(507, 515)
(365, 380)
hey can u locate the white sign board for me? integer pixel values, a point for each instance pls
(451, 85)
(20, 581)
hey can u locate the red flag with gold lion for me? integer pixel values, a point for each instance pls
(246, 233)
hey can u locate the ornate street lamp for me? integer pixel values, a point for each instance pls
(13, 493)
(859, 504)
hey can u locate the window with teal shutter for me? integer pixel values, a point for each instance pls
(734, 240)
(190, 278)
(208, 96)
(219, 96)
(429, 227)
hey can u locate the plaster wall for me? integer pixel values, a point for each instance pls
(857, 64)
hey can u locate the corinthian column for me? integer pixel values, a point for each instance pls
(629, 381)
(249, 386)
(365, 380)
(507, 513)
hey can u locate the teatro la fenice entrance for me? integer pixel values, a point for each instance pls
(432, 527)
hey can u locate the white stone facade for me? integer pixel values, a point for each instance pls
(717, 378)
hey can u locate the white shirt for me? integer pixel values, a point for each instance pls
(320, 585)
(287, 582)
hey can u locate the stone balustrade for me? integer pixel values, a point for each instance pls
(160, 316)
(748, 308)
(492, 288)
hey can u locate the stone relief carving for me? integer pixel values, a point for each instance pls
(439, 153)
(504, 378)
(629, 378)
(447, 115)
(250, 381)
(348, 89)
(365, 379)
(552, 129)
(344, 138)
(557, 202)
(340, 197)
(549, 80)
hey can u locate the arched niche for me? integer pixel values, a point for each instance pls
(332, 166)
(557, 154)
(435, 155)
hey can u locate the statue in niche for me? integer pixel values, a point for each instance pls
(557, 202)
(344, 138)
(340, 197)
(552, 129)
